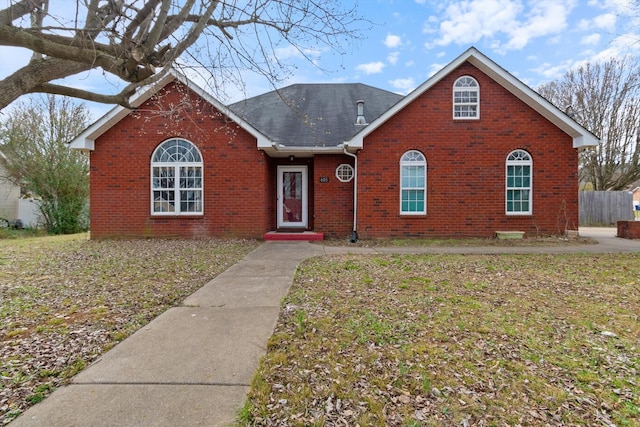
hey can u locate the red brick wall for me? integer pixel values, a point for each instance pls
(465, 171)
(333, 199)
(466, 167)
(238, 192)
(628, 229)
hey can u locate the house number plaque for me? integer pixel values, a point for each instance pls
(324, 179)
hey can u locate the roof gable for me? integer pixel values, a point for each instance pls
(581, 136)
(86, 139)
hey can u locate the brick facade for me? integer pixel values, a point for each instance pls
(333, 213)
(628, 229)
(465, 171)
(238, 190)
(466, 167)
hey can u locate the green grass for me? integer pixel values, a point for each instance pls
(454, 339)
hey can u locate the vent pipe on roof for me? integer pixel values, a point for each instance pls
(360, 120)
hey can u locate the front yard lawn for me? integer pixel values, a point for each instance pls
(65, 300)
(464, 340)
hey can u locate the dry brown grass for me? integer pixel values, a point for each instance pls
(65, 300)
(460, 340)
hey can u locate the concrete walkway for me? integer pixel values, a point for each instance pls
(192, 365)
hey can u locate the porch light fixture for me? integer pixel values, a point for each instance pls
(292, 158)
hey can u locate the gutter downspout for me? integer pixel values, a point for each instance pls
(354, 234)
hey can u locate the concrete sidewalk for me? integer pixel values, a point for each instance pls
(192, 365)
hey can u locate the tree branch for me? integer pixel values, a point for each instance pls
(131, 38)
(17, 10)
(121, 98)
(36, 73)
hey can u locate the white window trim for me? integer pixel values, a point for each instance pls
(476, 104)
(341, 166)
(506, 183)
(423, 162)
(176, 166)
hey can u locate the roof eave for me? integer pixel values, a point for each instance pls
(86, 140)
(279, 150)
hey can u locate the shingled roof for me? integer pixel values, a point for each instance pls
(313, 115)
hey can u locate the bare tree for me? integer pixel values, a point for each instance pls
(139, 40)
(605, 99)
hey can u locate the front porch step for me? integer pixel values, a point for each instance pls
(306, 236)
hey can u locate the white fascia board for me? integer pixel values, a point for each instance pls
(581, 136)
(279, 150)
(86, 140)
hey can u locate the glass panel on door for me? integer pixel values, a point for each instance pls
(292, 197)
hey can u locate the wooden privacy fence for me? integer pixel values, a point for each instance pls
(605, 207)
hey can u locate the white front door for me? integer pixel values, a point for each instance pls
(292, 197)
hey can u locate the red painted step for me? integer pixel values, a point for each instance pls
(295, 236)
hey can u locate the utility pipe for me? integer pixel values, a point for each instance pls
(354, 234)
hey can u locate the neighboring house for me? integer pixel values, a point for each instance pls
(9, 193)
(470, 152)
(636, 202)
(13, 206)
(636, 196)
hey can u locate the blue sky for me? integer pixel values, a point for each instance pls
(409, 40)
(537, 41)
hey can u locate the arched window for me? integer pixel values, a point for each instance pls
(413, 183)
(176, 179)
(519, 174)
(466, 98)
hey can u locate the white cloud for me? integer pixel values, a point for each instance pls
(392, 41)
(547, 18)
(289, 52)
(626, 44)
(467, 22)
(405, 85)
(505, 23)
(584, 25)
(591, 39)
(392, 58)
(606, 21)
(431, 25)
(551, 72)
(371, 67)
(434, 68)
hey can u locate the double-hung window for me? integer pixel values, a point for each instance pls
(176, 179)
(519, 176)
(413, 183)
(466, 98)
